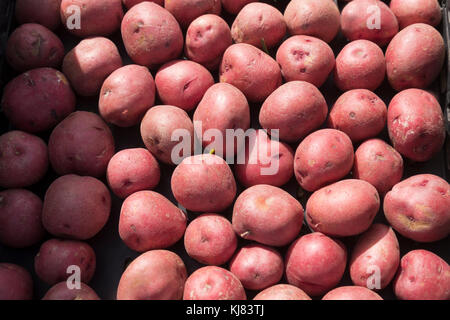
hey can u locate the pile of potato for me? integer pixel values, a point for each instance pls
(200, 66)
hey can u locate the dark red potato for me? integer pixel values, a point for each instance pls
(44, 12)
(15, 283)
(234, 6)
(130, 3)
(60, 291)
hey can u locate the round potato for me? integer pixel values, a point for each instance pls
(185, 11)
(416, 11)
(15, 283)
(130, 3)
(282, 292)
(43, 12)
(234, 6)
(351, 293)
(60, 291)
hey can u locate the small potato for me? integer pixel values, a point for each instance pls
(130, 3)
(305, 58)
(282, 292)
(234, 6)
(342, 209)
(416, 11)
(213, 283)
(186, 11)
(23, 159)
(250, 70)
(60, 291)
(154, 275)
(415, 57)
(90, 63)
(352, 293)
(76, 207)
(422, 276)
(360, 113)
(295, 109)
(150, 221)
(126, 95)
(43, 12)
(182, 83)
(69, 151)
(20, 218)
(315, 263)
(360, 65)
(323, 157)
(15, 283)
(257, 266)
(210, 239)
(419, 208)
(268, 215)
(56, 256)
(132, 170)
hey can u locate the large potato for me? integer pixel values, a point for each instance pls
(351, 293)
(44, 12)
(15, 283)
(282, 292)
(416, 11)
(60, 291)
(185, 11)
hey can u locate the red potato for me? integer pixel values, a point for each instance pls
(250, 70)
(132, 170)
(268, 215)
(20, 218)
(282, 292)
(186, 11)
(97, 17)
(154, 275)
(376, 254)
(44, 12)
(419, 208)
(126, 95)
(315, 263)
(23, 159)
(360, 65)
(305, 58)
(204, 183)
(416, 11)
(257, 266)
(130, 3)
(234, 6)
(213, 283)
(69, 152)
(323, 157)
(37, 100)
(350, 211)
(295, 109)
(317, 18)
(145, 42)
(150, 221)
(352, 293)
(76, 207)
(415, 57)
(182, 83)
(60, 291)
(360, 113)
(210, 239)
(422, 276)
(15, 283)
(416, 124)
(54, 258)
(33, 46)
(90, 63)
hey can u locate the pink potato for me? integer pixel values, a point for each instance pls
(250, 70)
(90, 63)
(33, 46)
(360, 113)
(295, 109)
(360, 65)
(130, 3)
(186, 11)
(416, 124)
(210, 239)
(268, 215)
(145, 41)
(317, 18)
(182, 83)
(60, 291)
(315, 263)
(213, 283)
(126, 95)
(37, 100)
(44, 12)
(305, 58)
(132, 170)
(69, 151)
(376, 254)
(415, 57)
(257, 266)
(422, 276)
(342, 209)
(416, 11)
(154, 275)
(150, 221)
(352, 293)
(282, 292)
(23, 159)
(323, 157)
(76, 207)
(15, 283)
(55, 256)
(419, 208)
(204, 183)
(20, 218)
(234, 6)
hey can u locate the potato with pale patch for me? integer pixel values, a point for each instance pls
(60, 292)
(352, 293)
(282, 292)
(15, 282)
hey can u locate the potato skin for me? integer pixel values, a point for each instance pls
(351, 293)
(282, 292)
(130, 3)
(154, 275)
(186, 11)
(419, 208)
(44, 12)
(15, 283)
(268, 215)
(416, 11)
(342, 215)
(234, 6)
(60, 292)
(150, 221)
